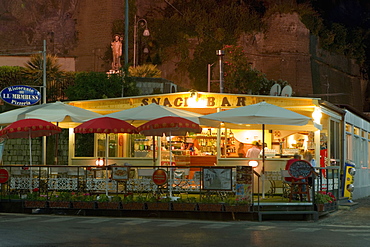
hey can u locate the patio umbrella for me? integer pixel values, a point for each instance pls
(169, 126)
(64, 115)
(257, 114)
(142, 114)
(29, 128)
(105, 125)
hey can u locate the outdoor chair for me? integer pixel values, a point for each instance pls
(300, 172)
(287, 185)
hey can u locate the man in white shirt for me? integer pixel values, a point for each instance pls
(254, 151)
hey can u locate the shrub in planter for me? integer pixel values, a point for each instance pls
(235, 205)
(35, 200)
(60, 200)
(108, 202)
(158, 203)
(211, 204)
(185, 204)
(325, 201)
(83, 201)
(133, 203)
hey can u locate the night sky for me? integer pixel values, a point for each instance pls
(352, 13)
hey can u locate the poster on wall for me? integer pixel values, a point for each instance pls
(244, 181)
(217, 178)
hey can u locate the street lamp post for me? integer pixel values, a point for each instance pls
(220, 54)
(146, 33)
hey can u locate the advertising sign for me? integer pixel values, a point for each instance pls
(244, 181)
(20, 95)
(159, 177)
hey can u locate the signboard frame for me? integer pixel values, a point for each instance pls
(20, 95)
(217, 178)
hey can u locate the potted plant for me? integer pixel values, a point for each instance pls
(325, 201)
(60, 200)
(184, 204)
(130, 202)
(210, 203)
(236, 205)
(158, 203)
(108, 202)
(83, 201)
(35, 199)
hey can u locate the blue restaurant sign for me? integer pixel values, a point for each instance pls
(20, 95)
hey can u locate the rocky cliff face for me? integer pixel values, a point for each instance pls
(282, 52)
(25, 24)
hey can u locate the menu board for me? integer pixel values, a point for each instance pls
(120, 173)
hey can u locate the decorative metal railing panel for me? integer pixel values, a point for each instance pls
(185, 185)
(23, 183)
(62, 184)
(141, 185)
(81, 179)
(100, 184)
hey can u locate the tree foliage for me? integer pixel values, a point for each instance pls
(194, 30)
(146, 70)
(34, 68)
(97, 85)
(12, 75)
(241, 77)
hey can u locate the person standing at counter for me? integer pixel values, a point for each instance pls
(254, 151)
(241, 151)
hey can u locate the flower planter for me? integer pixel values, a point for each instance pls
(158, 206)
(59, 204)
(320, 207)
(35, 204)
(330, 206)
(178, 206)
(109, 205)
(237, 208)
(210, 207)
(84, 205)
(133, 206)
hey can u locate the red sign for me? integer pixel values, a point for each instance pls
(4, 176)
(159, 177)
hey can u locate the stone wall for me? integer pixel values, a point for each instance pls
(282, 52)
(17, 151)
(94, 27)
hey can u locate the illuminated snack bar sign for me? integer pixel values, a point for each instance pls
(20, 95)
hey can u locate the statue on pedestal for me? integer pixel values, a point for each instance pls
(116, 46)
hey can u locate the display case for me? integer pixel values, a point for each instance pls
(142, 147)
